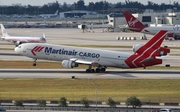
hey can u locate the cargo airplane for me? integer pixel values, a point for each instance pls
(135, 25)
(17, 40)
(144, 55)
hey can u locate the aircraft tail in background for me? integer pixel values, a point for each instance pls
(56, 13)
(133, 23)
(3, 31)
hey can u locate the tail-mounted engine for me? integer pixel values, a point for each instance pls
(69, 64)
(136, 47)
(162, 51)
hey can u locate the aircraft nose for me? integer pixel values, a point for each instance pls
(18, 49)
(2, 38)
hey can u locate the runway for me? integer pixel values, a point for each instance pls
(75, 36)
(80, 73)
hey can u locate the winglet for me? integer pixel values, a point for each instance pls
(3, 31)
(133, 23)
(44, 36)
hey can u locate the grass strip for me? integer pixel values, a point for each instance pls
(105, 46)
(147, 90)
(57, 65)
(6, 44)
(90, 46)
(7, 48)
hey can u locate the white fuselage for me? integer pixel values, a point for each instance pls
(171, 29)
(60, 53)
(24, 39)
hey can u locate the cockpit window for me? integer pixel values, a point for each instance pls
(19, 46)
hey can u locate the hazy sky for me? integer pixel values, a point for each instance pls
(42, 2)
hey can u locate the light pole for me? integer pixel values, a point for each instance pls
(103, 12)
(96, 87)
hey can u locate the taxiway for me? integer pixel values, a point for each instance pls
(80, 73)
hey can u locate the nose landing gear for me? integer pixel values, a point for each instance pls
(34, 63)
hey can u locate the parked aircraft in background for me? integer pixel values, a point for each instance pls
(17, 40)
(144, 55)
(49, 15)
(135, 25)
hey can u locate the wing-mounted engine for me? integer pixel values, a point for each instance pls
(69, 64)
(136, 47)
(17, 43)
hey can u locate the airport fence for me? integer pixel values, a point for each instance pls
(158, 100)
(92, 109)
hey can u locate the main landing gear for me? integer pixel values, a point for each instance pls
(97, 70)
(34, 63)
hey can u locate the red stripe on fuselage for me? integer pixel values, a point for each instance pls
(37, 48)
(33, 50)
(40, 49)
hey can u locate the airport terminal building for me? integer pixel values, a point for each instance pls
(75, 14)
(149, 17)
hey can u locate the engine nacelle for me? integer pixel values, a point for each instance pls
(136, 47)
(164, 51)
(17, 43)
(69, 64)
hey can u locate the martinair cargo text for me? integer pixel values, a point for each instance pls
(135, 25)
(144, 55)
(17, 40)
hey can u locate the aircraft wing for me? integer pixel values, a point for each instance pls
(85, 62)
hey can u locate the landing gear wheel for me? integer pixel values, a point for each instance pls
(97, 70)
(103, 69)
(34, 64)
(92, 70)
(88, 71)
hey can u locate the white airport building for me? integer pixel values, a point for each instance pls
(149, 17)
